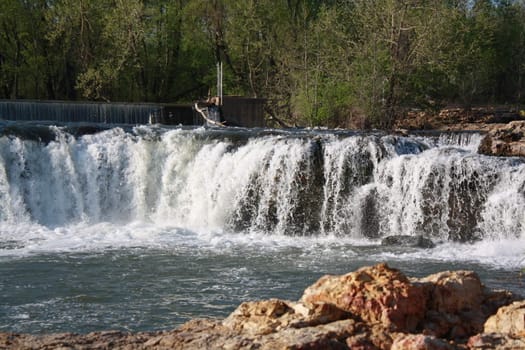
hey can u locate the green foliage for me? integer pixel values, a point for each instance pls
(317, 62)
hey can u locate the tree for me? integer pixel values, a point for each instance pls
(391, 35)
(317, 62)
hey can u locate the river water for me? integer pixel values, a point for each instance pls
(143, 228)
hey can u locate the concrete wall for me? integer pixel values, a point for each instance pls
(237, 111)
(92, 112)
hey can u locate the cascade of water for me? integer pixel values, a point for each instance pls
(113, 113)
(356, 185)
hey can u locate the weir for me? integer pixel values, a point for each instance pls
(273, 182)
(238, 111)
(92, 112)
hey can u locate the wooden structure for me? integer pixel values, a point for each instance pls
(244, 111)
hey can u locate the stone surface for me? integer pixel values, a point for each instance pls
(455, 304)
(377, 294)
(373, 308)
(454, 291)
(420, 342)
(408, 241)
(95, 340)
(509, 319)
(504, 128)
(505, 140)
(482, 118)
(496, 341)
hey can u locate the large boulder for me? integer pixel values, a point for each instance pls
(455, 304)
(377, 294)
(454, 291)
(509, 319)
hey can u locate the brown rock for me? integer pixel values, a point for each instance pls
(260, 317)
(458, 304)
(197, 334)
(95, 340)
(374, 337)
(265, 317)
(494, 299)
(496, 341)
(361, 342)
(505, 140)
(215, 336)
(454, 291)
(419, 342)
(321, 313)
(376, 294)
(509, 320)
(326, 336)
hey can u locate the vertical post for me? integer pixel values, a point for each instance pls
(219, 82)
(218, 79)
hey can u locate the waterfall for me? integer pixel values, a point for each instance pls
(281, 183)
(93, 112)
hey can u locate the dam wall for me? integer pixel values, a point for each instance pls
(245, 112)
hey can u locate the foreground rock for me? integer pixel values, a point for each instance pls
(372, 308)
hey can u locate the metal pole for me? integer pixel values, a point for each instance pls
(218, 79)
(219, 82)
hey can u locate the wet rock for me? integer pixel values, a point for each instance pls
(408, 241)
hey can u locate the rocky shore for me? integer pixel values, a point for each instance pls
(504, 128)
(505, 140)
(373, 308)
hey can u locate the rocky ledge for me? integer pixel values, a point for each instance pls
(505, 140)
(503, 127)
(372, 308)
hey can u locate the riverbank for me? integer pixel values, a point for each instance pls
(375, 307)
(504, 127)
(481, 118)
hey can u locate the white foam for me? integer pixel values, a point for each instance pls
(29, 240)
(166, 189)
(507, 254)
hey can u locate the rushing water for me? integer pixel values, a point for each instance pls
(143, 228)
